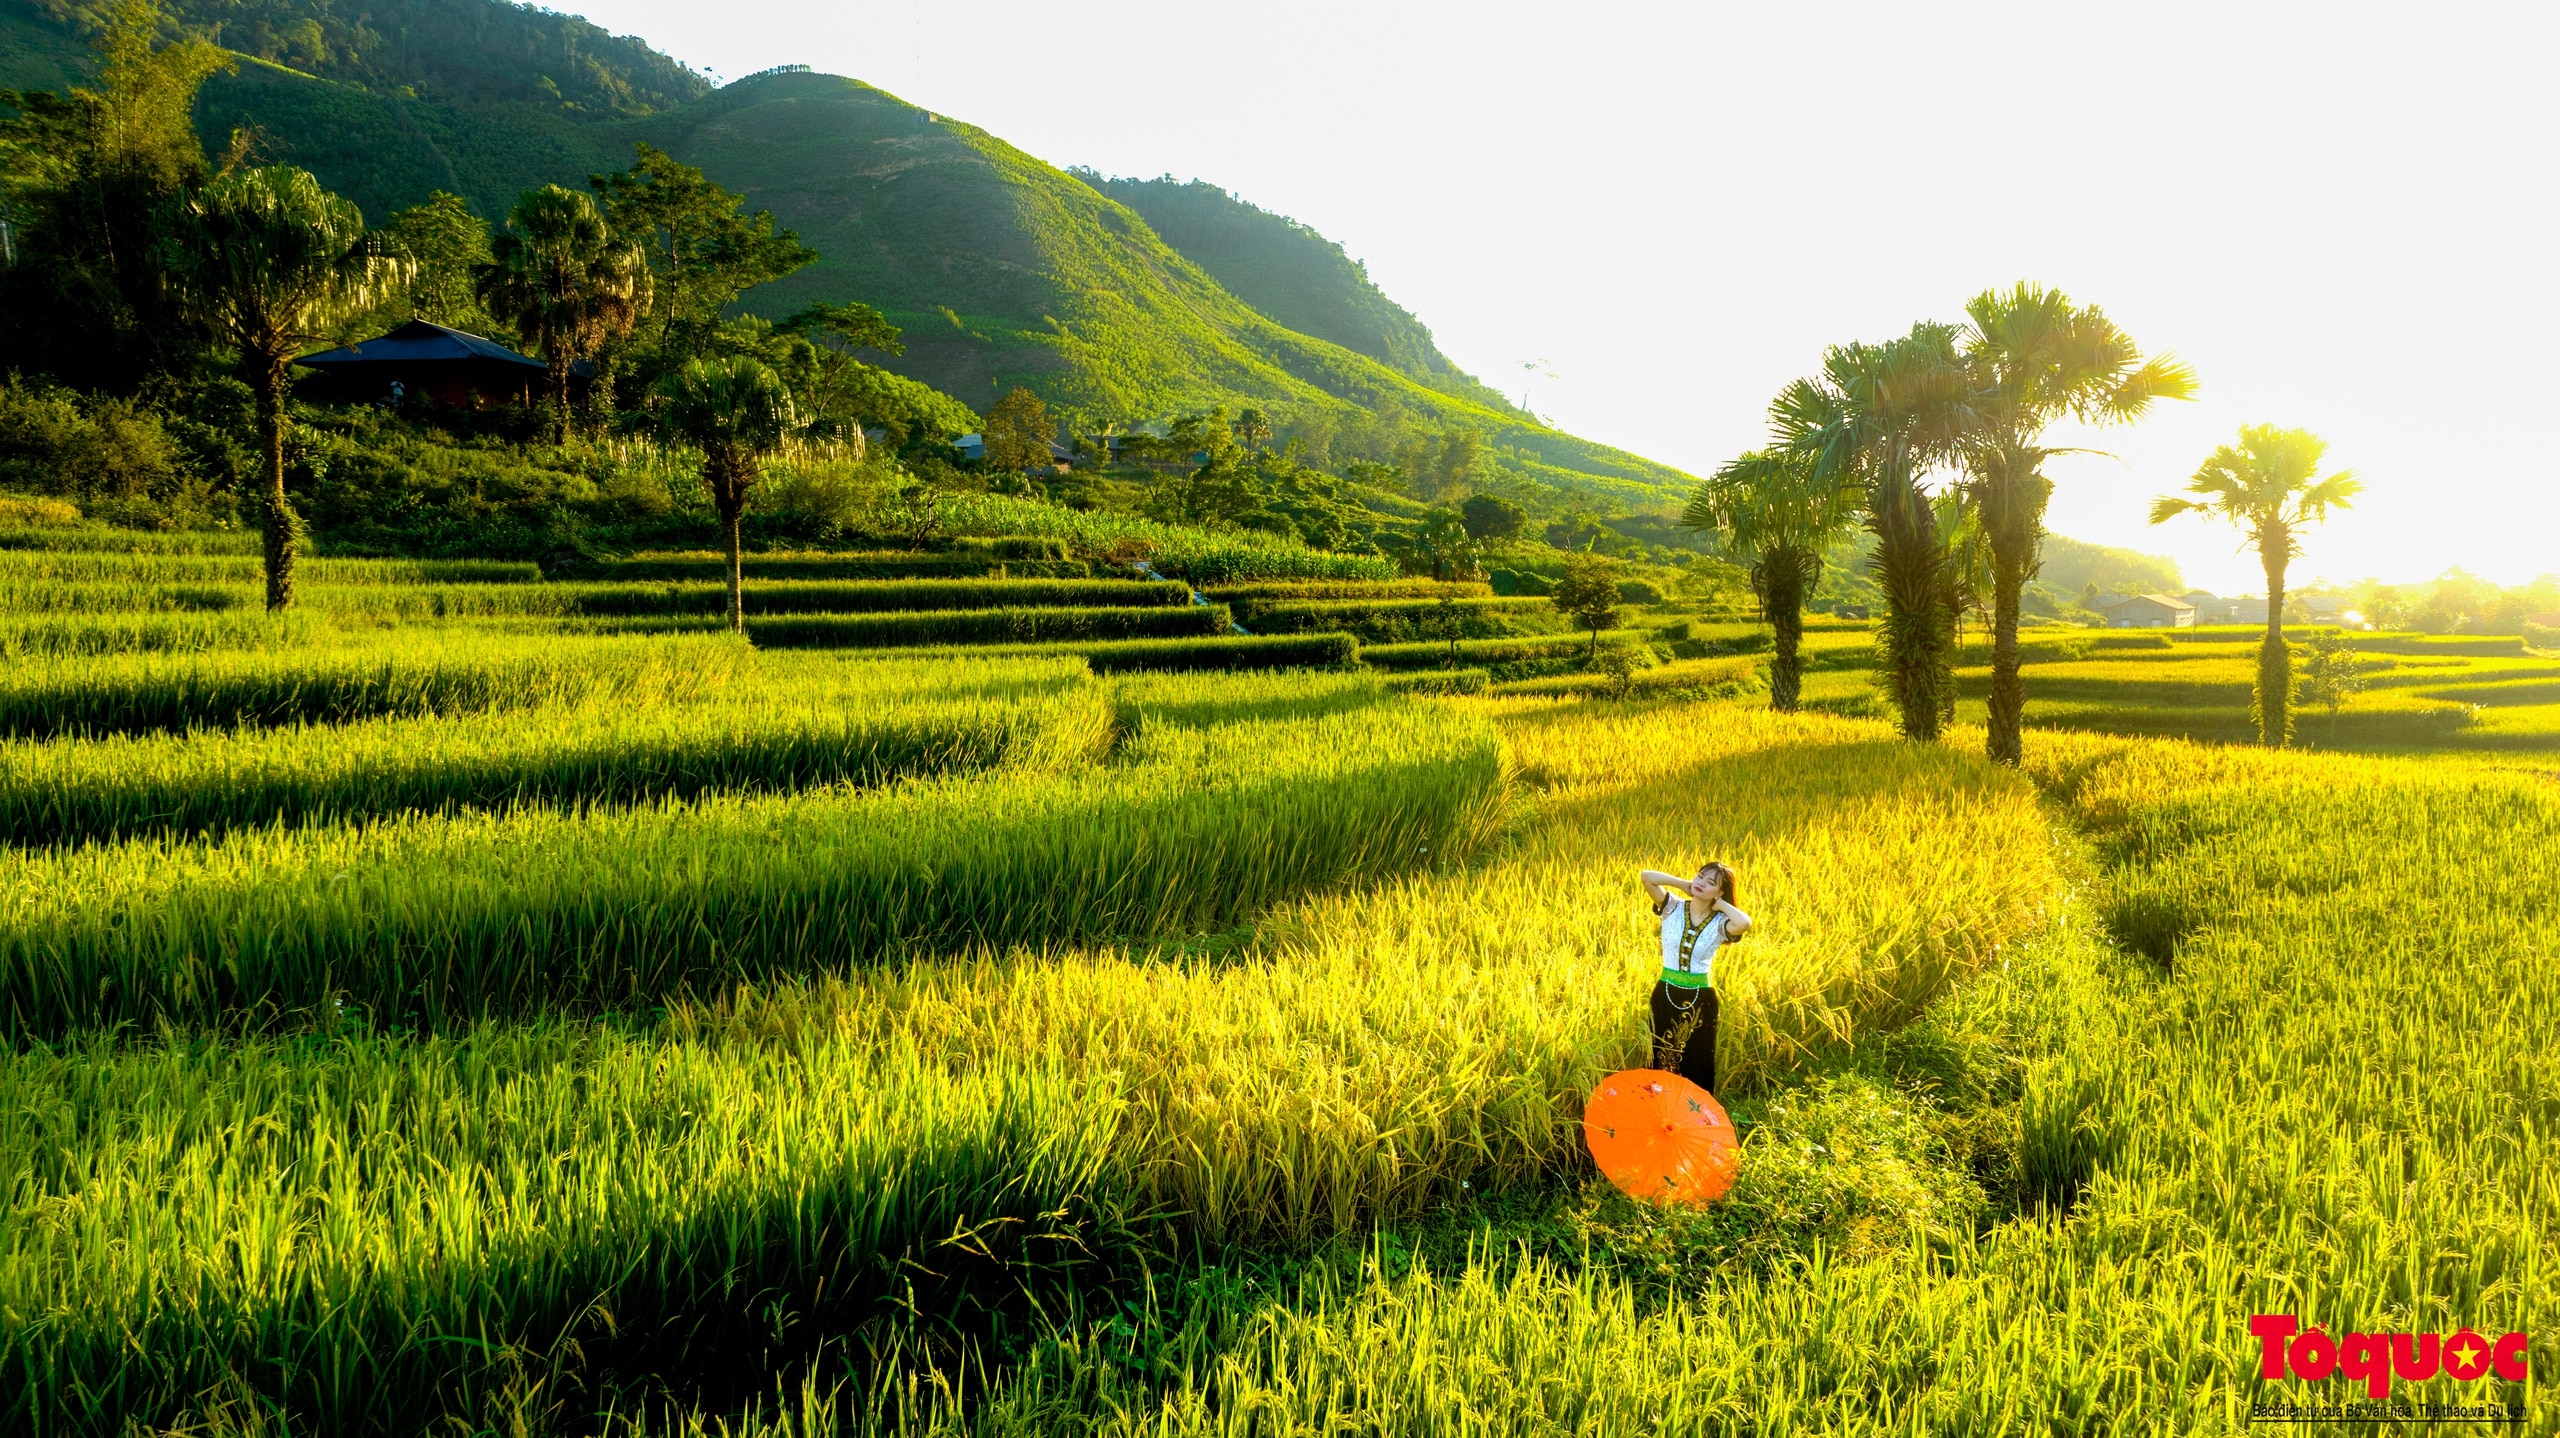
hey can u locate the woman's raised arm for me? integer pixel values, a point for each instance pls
(1656, 882)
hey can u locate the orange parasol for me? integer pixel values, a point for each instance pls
(1660, 1137)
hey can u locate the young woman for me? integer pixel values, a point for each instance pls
(1698, 918)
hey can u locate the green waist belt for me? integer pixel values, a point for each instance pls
(1686, 980)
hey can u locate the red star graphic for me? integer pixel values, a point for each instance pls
(2467, 1359)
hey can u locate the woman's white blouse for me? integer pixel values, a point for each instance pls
(1702, 954)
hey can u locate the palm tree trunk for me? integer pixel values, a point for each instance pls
(282, 528)
(1784, 601)
(729, 513)
(1913, 639)
(559, 366)
(2008, 688)
(2275, 663)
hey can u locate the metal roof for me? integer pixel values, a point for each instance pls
(419, 341)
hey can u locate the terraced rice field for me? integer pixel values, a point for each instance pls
(435, 1022)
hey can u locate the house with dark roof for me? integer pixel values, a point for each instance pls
(2150, 611)
(428, 361)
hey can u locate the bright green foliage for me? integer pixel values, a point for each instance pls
(2034, 358)
(1875, 419)
(1018, 432)
(791, 596)
(565, 282)
(1490, 516)
(445, 919)
(1294, 275)
(1507, 660)
(448, 244)
(2270, 486)
(409, 674)
(1588, 593)
(1778, 508)
(73, 566)
(841, 392)
(274, 264)
(776, 728)
(845, 565)
(612, 1188)
(1391, 621)
(2332, 674)
(986, 626)
(703, 249)
(1171, 656)
(1200, 556)
(90, 177)
(736, 411)
(1245, 595)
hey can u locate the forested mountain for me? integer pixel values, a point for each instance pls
(1002, 269)
(1291, 273)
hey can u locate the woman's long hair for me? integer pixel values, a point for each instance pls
(1732, 887)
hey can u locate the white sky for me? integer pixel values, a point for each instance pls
(2339, 213)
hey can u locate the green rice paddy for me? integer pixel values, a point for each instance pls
(427, 1013)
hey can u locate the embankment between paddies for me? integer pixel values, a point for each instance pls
(409, 674)
(29, 566)
(439, 920)
(1210, 652)
(1699, 678)
(1528, 657)
(876, 596)
(1298, 591)
(803, 723)
(984, 626)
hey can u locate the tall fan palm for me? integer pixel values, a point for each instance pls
(565, 282)
(275, 263)
(1878, 417)
(1779, 510)
(2269, 486)
(737, 411)
(2036, 358)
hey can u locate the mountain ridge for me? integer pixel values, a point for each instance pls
(1002, 268)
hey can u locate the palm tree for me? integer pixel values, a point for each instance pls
(737, 411)
(564, 282)
(1877, 418)
(1779, 510)
(2265, 486)
(2036, 358)
(276, 264)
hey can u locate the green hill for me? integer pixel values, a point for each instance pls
(1293, 274)
(1003, 269)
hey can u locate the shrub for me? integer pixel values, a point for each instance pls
(17, 510)
(1394, 621)
(114, 458)
(1438, 681)
(2541, 636)
(1309, 589)
(1202, 556)
(1643, 592)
